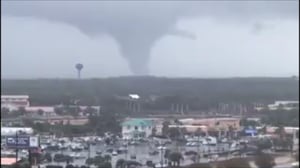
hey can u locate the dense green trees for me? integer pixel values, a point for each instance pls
(264, 161)
(100, 161)
(107, 121)
(248, 123)
(281, 117)
(200, 94)
(232, 163)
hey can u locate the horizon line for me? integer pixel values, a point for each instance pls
(147, 76)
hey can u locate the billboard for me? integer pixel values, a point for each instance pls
(22, 142)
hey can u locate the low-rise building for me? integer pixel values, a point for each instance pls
(64, 120)
(221, 123)
(11, 121)
(285, 105)
(13, 102)
(288, 130)
(41, 110)
(191, 128)
(137, 128)
(10, 131)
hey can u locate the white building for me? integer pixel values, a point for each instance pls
(286, 105)
(13, 102)
(10, 131)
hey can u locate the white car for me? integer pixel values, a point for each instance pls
(24, 152)
(159, 165)
(194, 144)
(188, 144)
(114, 153)
(224, 140)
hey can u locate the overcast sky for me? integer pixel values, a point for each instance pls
(174, 39)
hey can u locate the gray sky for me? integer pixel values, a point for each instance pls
(175, 39)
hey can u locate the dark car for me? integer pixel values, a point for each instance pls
(62, 158)
(109, 150)
(133, 157)
(153, 153)
(188, 153)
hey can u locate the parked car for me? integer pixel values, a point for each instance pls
(62, 158)
(109, 150)
(132, 156)
(153, 153)
(114, 153)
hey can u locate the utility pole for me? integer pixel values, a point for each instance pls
(187, 108)
(198, 149)
(126, 143)
(182, 110)
(30, 157)
(17, 146)
(89, 148)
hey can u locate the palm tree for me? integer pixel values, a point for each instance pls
(40, 112)
(263, 130)
(230, 131)
(283, 141)
(107, 158)
(150, 164)
(153, 131)
(22, 111)
(174, 133)
(121, 163)
(297, 156)
(58, 111)
(131, 163)
(280, 131)
(165, 128)
(4, 111)
(198, 132)
(69, 166)
(89, 161)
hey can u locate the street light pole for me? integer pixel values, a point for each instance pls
(198, 150)
(126, 143)
(89, 148)
(17, 146)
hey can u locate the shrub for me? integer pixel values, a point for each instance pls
(264, 161)
(235, 162)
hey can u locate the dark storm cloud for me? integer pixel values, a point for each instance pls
(136, 26)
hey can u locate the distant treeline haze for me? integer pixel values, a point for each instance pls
(199, 94)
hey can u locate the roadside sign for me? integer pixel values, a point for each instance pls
(22, 142)
(251, 131)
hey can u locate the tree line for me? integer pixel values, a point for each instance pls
(199, 94)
